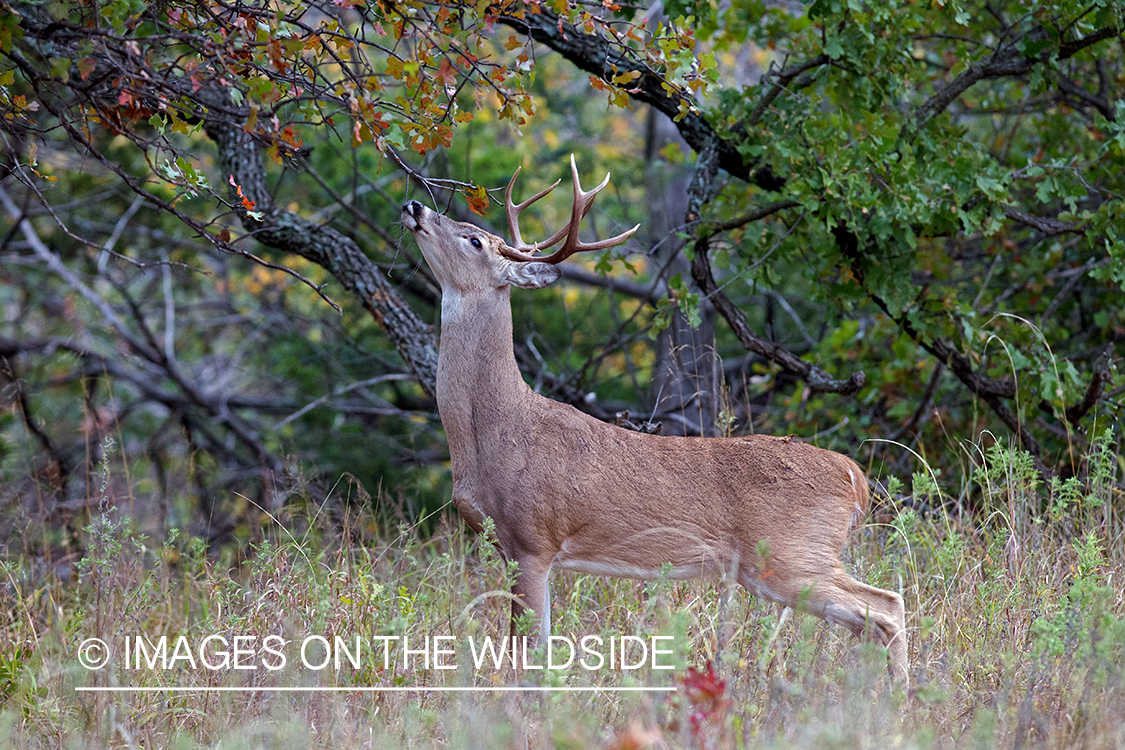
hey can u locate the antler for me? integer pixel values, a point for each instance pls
(583, 201)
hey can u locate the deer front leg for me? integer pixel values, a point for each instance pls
(531, 594)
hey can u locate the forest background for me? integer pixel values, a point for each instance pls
(891, 229)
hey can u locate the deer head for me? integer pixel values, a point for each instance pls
(466, 258)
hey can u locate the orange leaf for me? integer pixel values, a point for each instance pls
(277, 57)
(291, 138)
(477, 200)
(246, 202)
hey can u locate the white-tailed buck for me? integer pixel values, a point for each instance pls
(568, 491)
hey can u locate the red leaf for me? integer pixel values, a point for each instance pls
(446, 74)
(703, 686)
(86, 66)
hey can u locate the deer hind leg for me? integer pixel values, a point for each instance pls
(866, 611)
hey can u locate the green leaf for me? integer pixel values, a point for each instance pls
(993, 188)
(1045, 190)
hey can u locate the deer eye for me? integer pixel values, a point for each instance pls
(475, 243)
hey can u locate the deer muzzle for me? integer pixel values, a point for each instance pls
(412, 212)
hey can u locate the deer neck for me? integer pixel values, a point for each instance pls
(477, 371)
(481, 395)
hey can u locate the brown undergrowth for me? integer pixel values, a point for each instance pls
(1013, 592)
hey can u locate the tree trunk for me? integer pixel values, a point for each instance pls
(687, 376)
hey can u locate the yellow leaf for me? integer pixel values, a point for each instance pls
(623, 78)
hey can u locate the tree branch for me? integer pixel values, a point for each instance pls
(288, 232)
(1006, 61)
(818, 380)
(1046, 225)
(756, 215)
(991, 391)
(782, 78)
(1099, 103)
(597, 56)
(1103, 376)
(21, 401)
(701, 190)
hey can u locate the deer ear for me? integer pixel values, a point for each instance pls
(532, 275)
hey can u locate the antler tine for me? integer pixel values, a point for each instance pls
(583, 202)
(513, 212)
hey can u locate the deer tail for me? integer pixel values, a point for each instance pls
(861, 495)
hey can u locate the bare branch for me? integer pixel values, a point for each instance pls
(1103, 376)
(1046, 225)
(288, 232)
(56, 265)
(338, 392)
(818, 380)
(29, 421)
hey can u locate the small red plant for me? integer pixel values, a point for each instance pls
(709, 704)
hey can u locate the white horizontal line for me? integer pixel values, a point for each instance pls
(364, 689)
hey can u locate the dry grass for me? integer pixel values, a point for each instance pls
(1016, 614)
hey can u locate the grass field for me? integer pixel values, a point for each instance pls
(1013, 593)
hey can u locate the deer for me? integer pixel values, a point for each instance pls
(567, 491)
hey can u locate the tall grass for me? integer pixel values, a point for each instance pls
(1013, 592)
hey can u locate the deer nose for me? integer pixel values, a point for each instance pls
(412, 215)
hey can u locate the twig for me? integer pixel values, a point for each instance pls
(339, 392)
